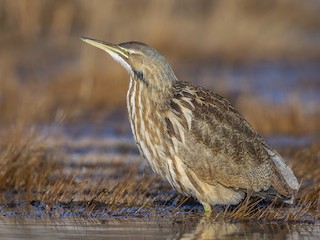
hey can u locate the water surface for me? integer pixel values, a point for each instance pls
(13, 228)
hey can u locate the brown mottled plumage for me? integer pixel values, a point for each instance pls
(195, 138)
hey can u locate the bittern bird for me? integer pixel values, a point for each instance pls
(195, 138)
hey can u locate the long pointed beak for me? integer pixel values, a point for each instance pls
(108, 47)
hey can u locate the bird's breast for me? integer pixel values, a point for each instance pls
(160, 131)
(147, 126)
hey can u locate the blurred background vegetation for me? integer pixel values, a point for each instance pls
(48, 75)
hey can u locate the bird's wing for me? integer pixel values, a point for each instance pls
(219, 145)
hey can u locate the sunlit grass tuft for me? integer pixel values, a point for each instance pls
(26, 165)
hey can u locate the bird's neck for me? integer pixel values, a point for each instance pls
(154, 95)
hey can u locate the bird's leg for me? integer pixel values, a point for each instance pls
(207, 209)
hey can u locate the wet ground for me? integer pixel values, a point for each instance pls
(97, 152)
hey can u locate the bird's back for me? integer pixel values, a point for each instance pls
(220, 146)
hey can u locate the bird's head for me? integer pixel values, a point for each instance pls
(143, 63)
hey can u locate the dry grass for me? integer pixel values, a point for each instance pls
(26, 163)
(32, 170)
(228, 29)
(287, 118)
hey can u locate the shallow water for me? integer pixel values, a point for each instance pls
(271, 82)
(16, 228)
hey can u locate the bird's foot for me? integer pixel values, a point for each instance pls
(207, 209)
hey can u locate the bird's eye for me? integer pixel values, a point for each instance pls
(127, 52)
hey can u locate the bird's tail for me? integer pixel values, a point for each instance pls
(284, 182)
